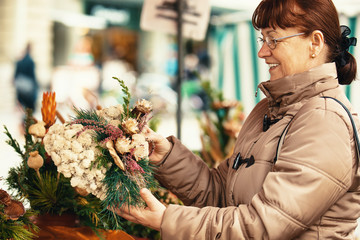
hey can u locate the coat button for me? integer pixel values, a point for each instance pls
(218, 235)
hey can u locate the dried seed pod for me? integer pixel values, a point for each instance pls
(14, 210)
(35, 161)
(38, 129)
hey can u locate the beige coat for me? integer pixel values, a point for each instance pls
(309, 194)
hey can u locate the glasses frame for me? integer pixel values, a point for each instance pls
(269, 40)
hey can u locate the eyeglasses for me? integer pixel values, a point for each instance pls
(271, 42)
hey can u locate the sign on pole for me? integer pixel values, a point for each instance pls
(161, 15)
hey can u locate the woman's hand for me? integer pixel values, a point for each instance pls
(161, 146)
(151, 216)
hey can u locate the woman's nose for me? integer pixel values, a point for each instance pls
(264, 51)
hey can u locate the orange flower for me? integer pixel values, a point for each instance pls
(48, 108)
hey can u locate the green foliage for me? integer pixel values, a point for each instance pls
(212, 93)
(20, 229)
(126, 98)
(87, 114)
(13, 143)
(51, 194)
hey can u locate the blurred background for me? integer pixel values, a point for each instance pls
(77, 46)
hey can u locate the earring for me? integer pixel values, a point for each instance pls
(313, 55)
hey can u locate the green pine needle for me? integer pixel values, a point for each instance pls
(126, 98)
(13, 143)
(87, 114)
(20, 229)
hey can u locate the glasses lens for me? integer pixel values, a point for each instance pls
(271, 42)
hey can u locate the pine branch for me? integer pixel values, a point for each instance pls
(102, 159)
(13, 143)
(87, 114)
(20, 229)
(127, 97)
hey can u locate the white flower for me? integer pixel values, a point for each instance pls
(75, 181)
(86, 163)
(123, 145)
(140, 145)
(138, 139)
(93, 186)
(79, 171)
(130, 126)
(71, 133)
(76, 147)
(85, 138)
(141, 151)
(143, 106)
(115, 122)
(58, 144)
(56, 158)
(73, 155)
(111, 113)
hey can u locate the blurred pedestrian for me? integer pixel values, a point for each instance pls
(25, 81)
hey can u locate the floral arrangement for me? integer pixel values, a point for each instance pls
(86, 166)
(105, 152)
(37, 180)
(15, 221)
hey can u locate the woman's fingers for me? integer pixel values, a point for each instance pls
(151, 216)
(150, 199)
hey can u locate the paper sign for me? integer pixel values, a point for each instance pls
(161, 15)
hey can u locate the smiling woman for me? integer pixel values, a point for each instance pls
(293, 173)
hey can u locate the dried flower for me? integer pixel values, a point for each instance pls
(134, 166)
(117, 160)
(38, 129)
(48, 108)
(14, 210)
(130, 126)
(35, 161)
(5, 198)
(111, 113)
(123, 145)
(143, 106)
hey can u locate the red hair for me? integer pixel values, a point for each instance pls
(307, 16)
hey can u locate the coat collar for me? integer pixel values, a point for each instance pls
(293, 89)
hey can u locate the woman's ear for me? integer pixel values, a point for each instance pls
(317, 43)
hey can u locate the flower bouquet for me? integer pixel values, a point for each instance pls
(104, 152)
(86, 166)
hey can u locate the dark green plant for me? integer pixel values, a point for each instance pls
(20, 229)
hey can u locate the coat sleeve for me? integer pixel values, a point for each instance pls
(313, 171)
(190, 179)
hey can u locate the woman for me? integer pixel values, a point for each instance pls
(302, 186)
